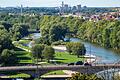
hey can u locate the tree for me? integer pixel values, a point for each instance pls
(79, 76)
(6, 25)
(19, 30)
(57, 32)
(76, 48)
(37, 50)
(8, 57)
(69, 47)
(48, 53)
(5, 41)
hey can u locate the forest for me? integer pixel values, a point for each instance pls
(54, 28)
(104, 32)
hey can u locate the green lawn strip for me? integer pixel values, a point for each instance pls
(24, 57)
(17, 44)
(59, 72)
(20, 75)
(65, 57)
(24, 41)
(14, 75)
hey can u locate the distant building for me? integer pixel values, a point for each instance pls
(84, 7)
(21, 9)
(62, 8)
(66, 8)
(78, 7)
(74, 8)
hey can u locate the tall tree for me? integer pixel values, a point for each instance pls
(8, 57)
(48, 53)
(37, 50)
(5, 41)
(57, 32)
(76, 48)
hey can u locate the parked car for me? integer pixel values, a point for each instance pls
(79, 63)
(70, 64)
(87, 64)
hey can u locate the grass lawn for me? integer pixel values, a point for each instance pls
(59, 72)
(24, 57)
(65, 57)
(20, 45)
(14, 75)
(24, 41)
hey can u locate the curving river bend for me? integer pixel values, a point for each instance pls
(105, 55)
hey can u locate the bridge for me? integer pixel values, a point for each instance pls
(45, 69)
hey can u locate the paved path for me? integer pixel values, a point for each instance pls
(56, 76)
(69, 72)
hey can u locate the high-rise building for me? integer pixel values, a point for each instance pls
(78, 7)
(62, 8)
(66, 8)
(62, 4)
(21, 9)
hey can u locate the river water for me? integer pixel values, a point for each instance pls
(105, 55)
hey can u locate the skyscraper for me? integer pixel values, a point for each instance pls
(62, 8)
(21, 9)
(78, 8)
(66, 8)
(62, 4)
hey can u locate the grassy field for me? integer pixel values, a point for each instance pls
(14, 75)
(65, 57)
(24, 41)
(24, 57)
(59, 72)
(17, 44)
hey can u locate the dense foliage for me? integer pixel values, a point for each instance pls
(5, 41)
(104, 32)
(18, 31)
(7, 57)
(79, 76)
(43, 52)
(37, 50)
(76, 48)
(11, 19)
(48, 53)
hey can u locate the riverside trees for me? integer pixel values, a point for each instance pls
(76, 48)
(19, 30)
(104, 32)
(54, 33)
(43, 52)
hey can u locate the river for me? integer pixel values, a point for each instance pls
(105, 55)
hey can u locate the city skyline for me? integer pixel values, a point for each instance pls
(57, 3)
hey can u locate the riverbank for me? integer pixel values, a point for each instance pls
(103, 55)
(90, 58)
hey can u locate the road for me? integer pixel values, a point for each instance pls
(51, 67)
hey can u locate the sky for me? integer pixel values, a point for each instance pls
(57, 3)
